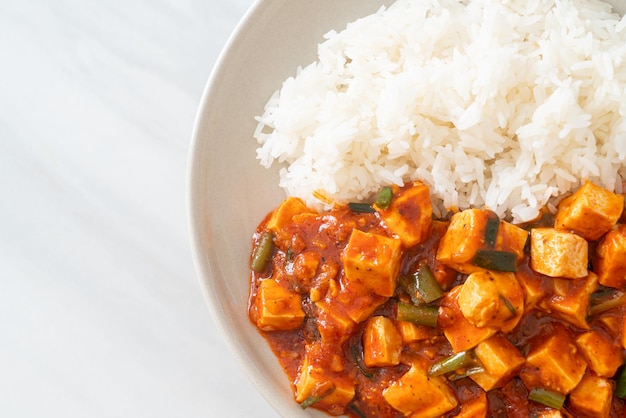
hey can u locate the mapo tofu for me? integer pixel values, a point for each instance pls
(380, 310)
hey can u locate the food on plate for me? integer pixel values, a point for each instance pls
(504, 104)
(380, 309)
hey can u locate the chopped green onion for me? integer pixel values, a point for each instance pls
(620, 387)
(547, 397)
(509, 305)
(466, 373)
(491, 229)
(384, 197)
(408, 283)
(263, 252)
(361, 207)
(599, 304)
(495, 260)
(358, 359)
(427, 285)
(311, 399)
(455, 362)
(421, 315)
(421, 286)
(356, 411)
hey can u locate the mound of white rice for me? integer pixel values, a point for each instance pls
(496, 103)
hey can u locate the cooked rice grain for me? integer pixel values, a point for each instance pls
(497, 103)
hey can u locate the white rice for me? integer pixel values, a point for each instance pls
(503, 104)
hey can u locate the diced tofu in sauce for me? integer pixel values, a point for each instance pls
(476, 407)
(570, 299)
(558, 254)
(590, 212)
(382, 343)
(284, 214)
(492, 299)
(373, 260)
(603, 355)
(278, 307)
(501, 360)
(592, 397)
(416, 394)
(411, 332)
(554, 363)
(468, 233)
(460, 333)
(610, 258)
(409, 216)
(339, 299)
(320, 382)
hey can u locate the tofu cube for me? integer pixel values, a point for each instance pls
(570, 300)
(466, 235)
(501, 360)
(554, 363)
(358, 301)
(409, 216)
(461, 334)
(374, 260)
(590, 212)
(283, 215)
(278, 308)
(535, 287)
(475, 407)
(592, 397)
(602, 354)
(382, 343)
(610, 258)
(611, 321)
(411, 332)
(333, 324)
(558, 254)
(491, 299)
(420, 395)
(331, 388)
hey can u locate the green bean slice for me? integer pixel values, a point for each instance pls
(495, 260)
(263, 252)
(385, 196)
(547, 397)
(421, 315)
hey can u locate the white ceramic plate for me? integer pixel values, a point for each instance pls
(229, 192)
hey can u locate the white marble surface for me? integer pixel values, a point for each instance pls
(101, 313)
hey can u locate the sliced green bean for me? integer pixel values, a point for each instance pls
(356, 411)
(312, 399)
(361, 207)
(421, 314)
(491, 229)
(408, 284)
(509, 305)
(427, 284)
(599, 305)
(547, 397)
(357, 353)
(384, 198)
(263, 252)
(466, 373)
(495, 260)
(455, 362)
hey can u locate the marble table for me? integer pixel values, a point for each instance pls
(101, 312)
